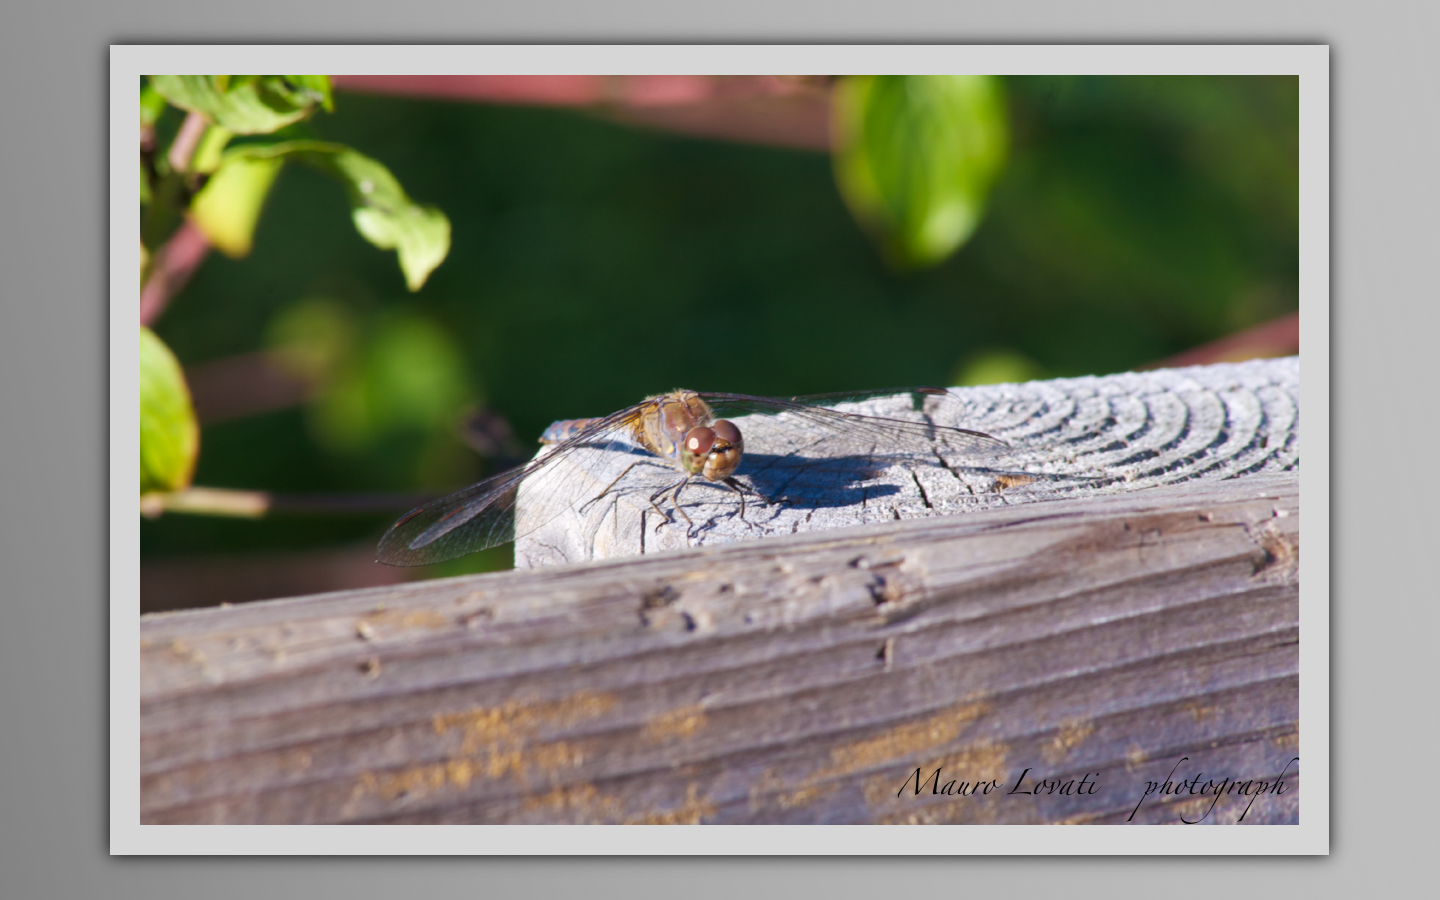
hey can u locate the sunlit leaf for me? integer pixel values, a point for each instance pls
(210, 149)
(996, 367)
(315, 339)
(405, 376)
(416, 375)
(151, 106)
(169, 434)
(229, 205)
(916, 156)
(318, 86)
(383, 214)
(245, 104)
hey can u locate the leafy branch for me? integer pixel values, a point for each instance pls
(914, 158)
(199, 193)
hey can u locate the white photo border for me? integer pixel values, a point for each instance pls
(1311, 62)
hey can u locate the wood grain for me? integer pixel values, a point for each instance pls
(1075, 437)
(798, 679)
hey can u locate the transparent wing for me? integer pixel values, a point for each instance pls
(833, 431)
(482, 515)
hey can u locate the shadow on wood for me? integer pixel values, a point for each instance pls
(1069, 438)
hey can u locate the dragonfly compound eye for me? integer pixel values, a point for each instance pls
(699, 441)
(695, 448)
(727, 431)
(724, 457)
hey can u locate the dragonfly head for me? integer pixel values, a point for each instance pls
(714, 451)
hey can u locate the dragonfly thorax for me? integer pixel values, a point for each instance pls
(681, 427)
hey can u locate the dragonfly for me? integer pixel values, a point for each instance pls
(692, 433)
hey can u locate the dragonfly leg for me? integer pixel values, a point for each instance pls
(739, 489)
(674, 501)
(643, 462)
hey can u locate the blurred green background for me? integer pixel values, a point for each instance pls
(594, 263)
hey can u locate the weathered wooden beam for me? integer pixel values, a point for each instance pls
(799, 679)
(1078, 437)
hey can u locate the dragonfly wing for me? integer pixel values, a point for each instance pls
(877, 436)
(483, 515)
(459, 523)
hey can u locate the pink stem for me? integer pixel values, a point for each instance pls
(186, 140)
(174, 264)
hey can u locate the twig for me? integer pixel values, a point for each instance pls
(186, 140)
(780, 111)
(259, 504)
(1280, 337)
(245, 385)
(174, 264)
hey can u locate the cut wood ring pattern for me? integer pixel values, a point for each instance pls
(1071, 437)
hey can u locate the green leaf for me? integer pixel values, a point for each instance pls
(399, 374)
(228, 207)
(210, 149)
(245, 104)
(169, 434)
(315, 339)
(151, 106)
(998, 366)
(318, 86)
(916, 156)
(382, 213)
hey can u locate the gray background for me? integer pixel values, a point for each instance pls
(53, 713)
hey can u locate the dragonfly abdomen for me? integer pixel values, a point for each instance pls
(565, 429)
